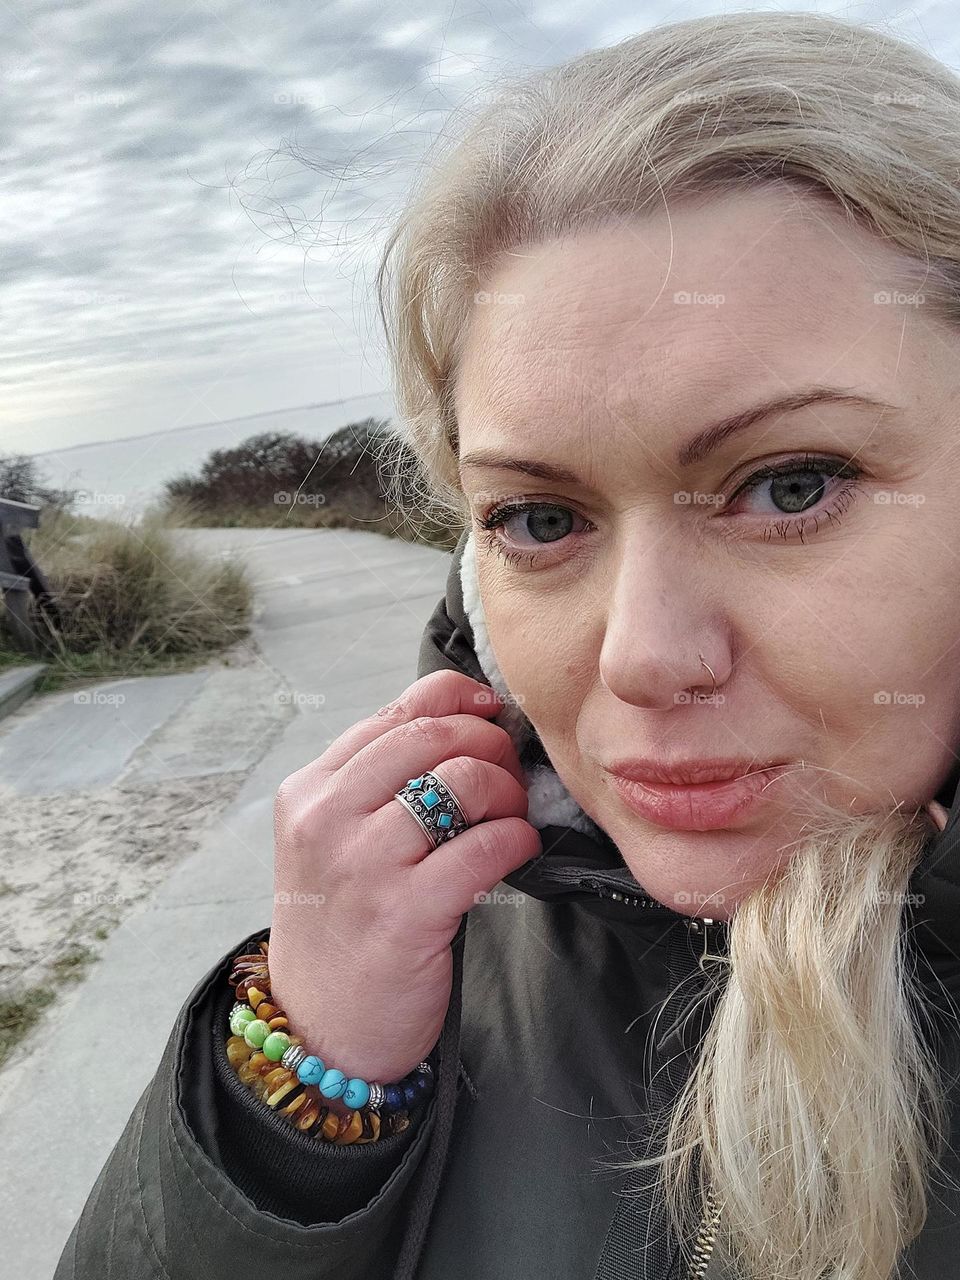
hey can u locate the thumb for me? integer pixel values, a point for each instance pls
(938, 813)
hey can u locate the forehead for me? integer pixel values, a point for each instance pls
(755, 291)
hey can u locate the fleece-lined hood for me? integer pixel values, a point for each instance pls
(579, 861)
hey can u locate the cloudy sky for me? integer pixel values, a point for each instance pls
(166, 260)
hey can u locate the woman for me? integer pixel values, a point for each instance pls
(674, 330)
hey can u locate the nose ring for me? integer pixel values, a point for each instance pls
(712, 676)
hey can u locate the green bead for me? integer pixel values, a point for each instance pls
(276, 1045)
(240, 1019)
(256, 1032)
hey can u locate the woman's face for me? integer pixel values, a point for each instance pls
(825, 599)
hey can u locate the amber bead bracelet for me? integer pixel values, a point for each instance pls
(272, 1062)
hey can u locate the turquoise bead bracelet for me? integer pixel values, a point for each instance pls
(309, 1069)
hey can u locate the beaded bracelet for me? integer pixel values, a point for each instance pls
(273, 1062)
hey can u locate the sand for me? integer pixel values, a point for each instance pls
(73, 864)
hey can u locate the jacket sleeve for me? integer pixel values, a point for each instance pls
(207, 1182)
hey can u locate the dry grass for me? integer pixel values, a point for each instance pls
(131, 599)
(408, 526)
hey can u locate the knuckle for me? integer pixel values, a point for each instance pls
(425, 729)
(297, 800)
(466, 774)
(444, 678)
(287, 793)
(394, 710)
(489, 844)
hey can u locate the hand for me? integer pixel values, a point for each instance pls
(364, 908)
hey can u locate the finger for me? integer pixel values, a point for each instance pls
(446, 882)
(441, 693)
(483, 791)
(384, 765)
(938, 813)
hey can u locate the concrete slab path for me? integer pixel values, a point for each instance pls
(340, 615)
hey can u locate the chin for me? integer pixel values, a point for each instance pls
(724, 868)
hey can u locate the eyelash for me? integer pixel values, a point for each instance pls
(489, 523)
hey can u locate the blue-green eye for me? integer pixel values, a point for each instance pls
(800, 491)
(545, 521)
(530, 526)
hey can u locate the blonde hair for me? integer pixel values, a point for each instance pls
(815, 1113)
(819, 1171)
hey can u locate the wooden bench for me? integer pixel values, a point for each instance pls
(20, 576)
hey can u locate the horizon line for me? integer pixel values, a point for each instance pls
(220, 422)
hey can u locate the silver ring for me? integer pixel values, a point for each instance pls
(434, 806)
(704, 663)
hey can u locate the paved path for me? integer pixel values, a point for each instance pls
(340, 614)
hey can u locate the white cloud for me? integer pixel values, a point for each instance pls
(148, 275)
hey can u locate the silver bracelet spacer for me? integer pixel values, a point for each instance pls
(377, 1097)
(293, 1057)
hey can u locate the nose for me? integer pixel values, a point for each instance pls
(659, 621)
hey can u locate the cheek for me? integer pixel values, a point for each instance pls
(823, 621)
(874, 669)
(543, 660)
(859, 631)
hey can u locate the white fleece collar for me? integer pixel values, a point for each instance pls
(550, 803)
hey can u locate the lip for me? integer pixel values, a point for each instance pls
(700, 795)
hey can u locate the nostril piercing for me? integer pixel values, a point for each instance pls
(712, 676)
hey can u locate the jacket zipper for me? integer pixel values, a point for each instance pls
(706, 1239)
(706, 1236)
(712, 929)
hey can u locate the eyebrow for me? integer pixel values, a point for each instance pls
(704, 442)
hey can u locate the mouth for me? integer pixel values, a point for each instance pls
(723, 796)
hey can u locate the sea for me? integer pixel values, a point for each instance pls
(119, 478)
